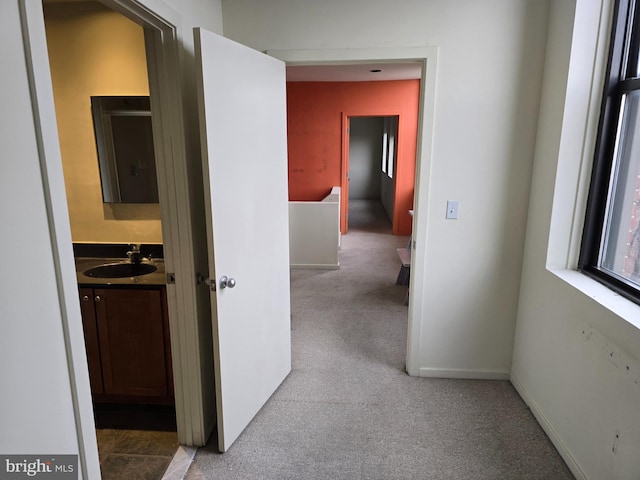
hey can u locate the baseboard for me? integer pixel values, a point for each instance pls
(548, 428)
(312, 266)
(463, 373)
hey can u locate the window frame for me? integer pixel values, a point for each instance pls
(622, 77)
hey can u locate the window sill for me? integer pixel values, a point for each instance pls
(612, 301)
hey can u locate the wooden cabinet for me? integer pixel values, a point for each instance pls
(127, 341)
(91, 341)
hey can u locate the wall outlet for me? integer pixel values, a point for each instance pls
(452, 209)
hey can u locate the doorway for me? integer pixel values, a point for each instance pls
(427, 57)
(371, 171)
(190, 327)
(100, 82)
(188, 306)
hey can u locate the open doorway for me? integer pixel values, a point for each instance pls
(190, 328)
(188, 305)
(371, 171)
(366, 62)
(101, 90)
(194, 376)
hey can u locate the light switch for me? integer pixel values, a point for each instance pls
(452, 209)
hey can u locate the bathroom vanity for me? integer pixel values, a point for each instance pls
(126, 330)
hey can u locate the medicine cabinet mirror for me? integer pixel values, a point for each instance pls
(124, 140)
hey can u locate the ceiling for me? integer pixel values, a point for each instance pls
(354, 73)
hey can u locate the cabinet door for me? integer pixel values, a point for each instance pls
(132, 342)
(91, 341)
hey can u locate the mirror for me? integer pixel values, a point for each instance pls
(124, 140)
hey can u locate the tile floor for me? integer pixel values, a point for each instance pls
(135, 454)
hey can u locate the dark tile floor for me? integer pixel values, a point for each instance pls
(135, 454)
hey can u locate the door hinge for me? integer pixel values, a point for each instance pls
(171, 278)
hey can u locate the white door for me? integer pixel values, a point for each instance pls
(244, 147)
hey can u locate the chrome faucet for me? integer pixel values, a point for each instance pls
(134, 254)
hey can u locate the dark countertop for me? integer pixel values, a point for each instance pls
(85, 263)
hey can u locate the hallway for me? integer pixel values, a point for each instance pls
(349, 411)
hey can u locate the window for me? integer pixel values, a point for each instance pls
(611, 240)
(389, 135)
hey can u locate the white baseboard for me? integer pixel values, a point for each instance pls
(551, 432)
(463, 373)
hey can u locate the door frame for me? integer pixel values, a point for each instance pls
(428, 57)
(193, 384)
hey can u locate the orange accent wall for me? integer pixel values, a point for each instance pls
(314, 118)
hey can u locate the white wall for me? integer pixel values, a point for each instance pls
(490, 61)
(36, 404)
(38, 295)
(577, 349)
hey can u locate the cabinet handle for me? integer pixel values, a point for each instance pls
(85, 298)
(98, 299)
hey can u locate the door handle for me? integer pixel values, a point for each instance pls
(227, 282)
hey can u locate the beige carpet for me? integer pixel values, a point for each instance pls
(349, 411)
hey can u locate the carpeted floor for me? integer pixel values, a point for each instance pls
(349, 411)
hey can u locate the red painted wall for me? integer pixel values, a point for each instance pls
(315, 110)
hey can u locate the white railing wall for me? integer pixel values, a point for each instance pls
(314, 232)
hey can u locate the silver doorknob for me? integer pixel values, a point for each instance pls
(98, 299)
(85, 298)
(227, 282)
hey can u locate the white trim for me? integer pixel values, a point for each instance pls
(548, 428)
(155, 14)
(463, 373)
(351, 56)
(591, 122)
(428, 56)
(164, 65)
(577, 147)
(625, 309)
(580, 119)
(171, 238)
(44, 116)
